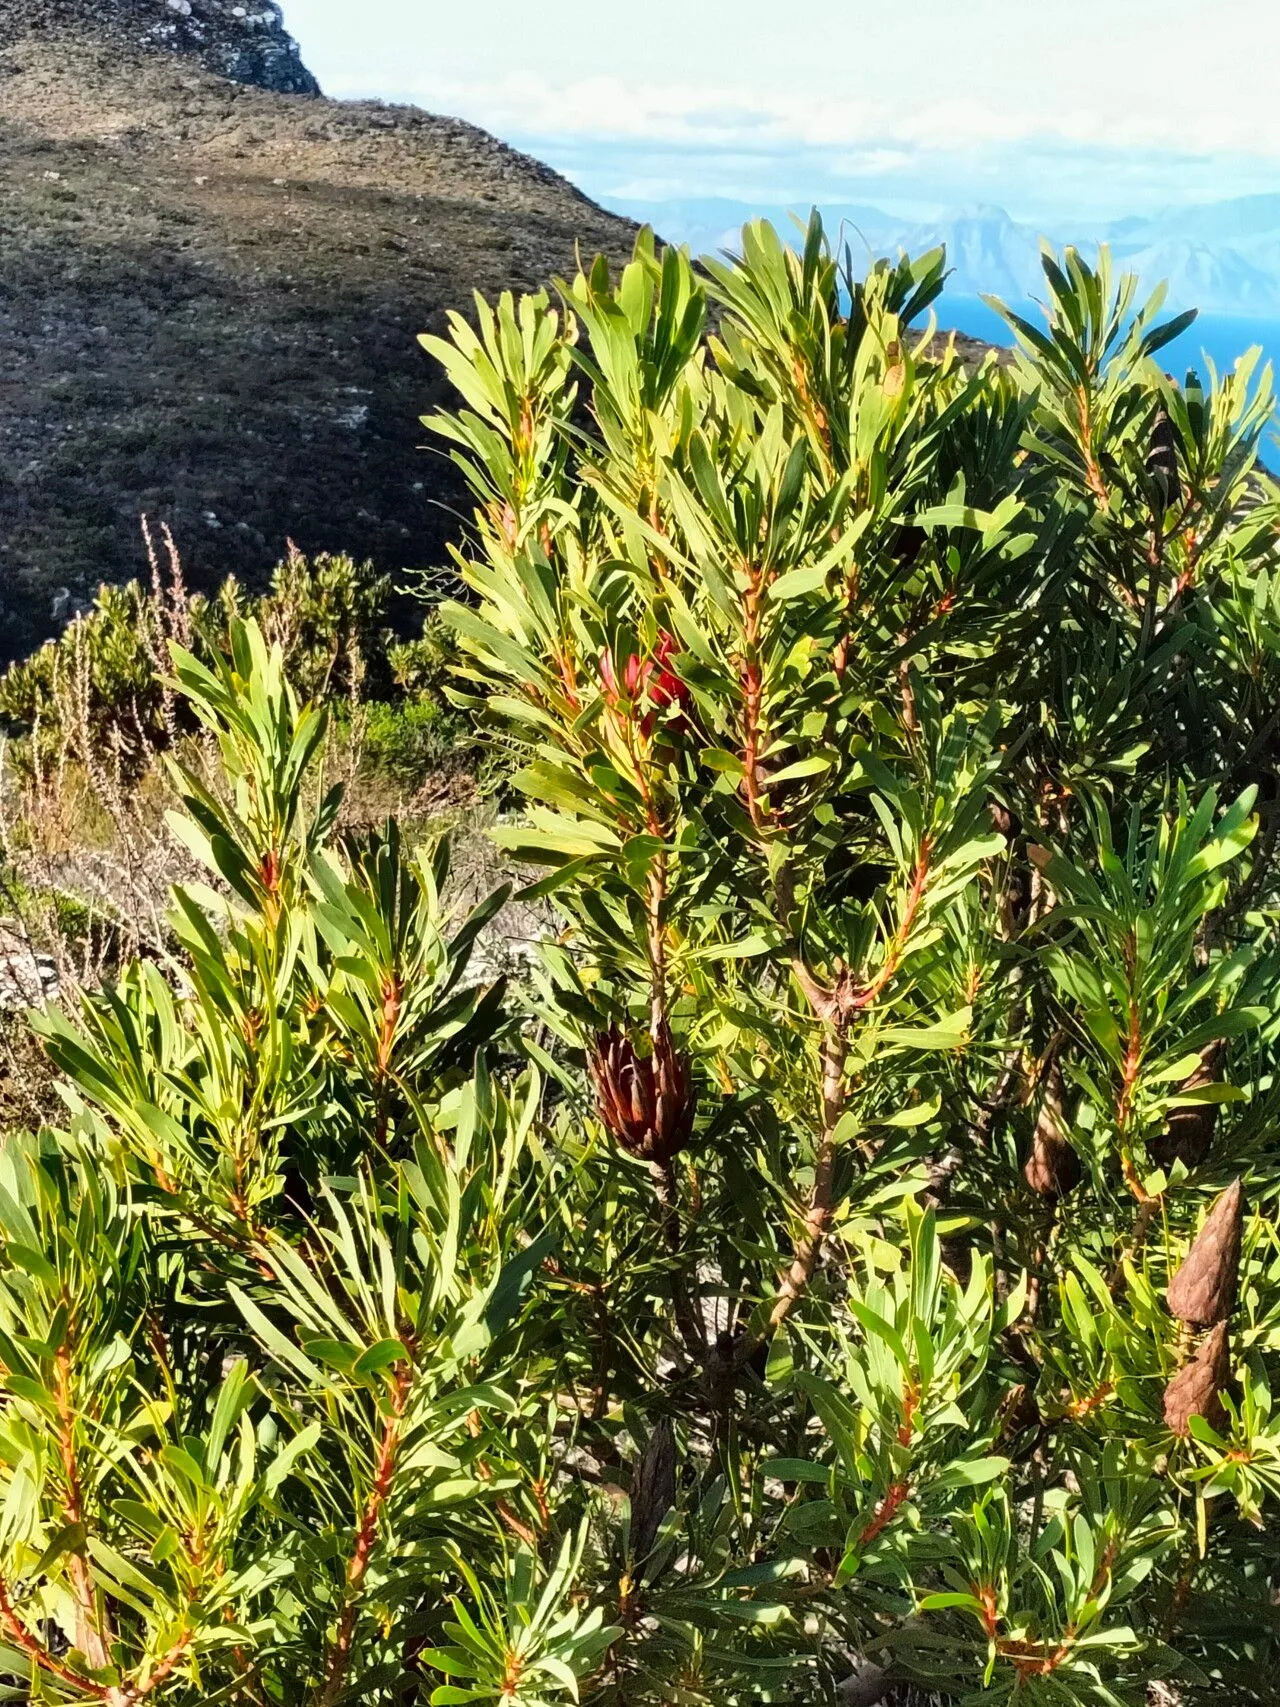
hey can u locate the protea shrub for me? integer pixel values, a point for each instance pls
(847, 1264)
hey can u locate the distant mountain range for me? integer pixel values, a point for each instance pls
(1223, 257)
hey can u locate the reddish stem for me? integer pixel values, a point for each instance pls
(139, 1692)
(897, 944)
(366, 1536)
(38, 1654)
(885, 1512)
(89, 1638)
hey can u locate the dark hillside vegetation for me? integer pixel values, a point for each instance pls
(209, 298)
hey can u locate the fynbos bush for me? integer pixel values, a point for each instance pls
(899, 744)
(101, 685)
(854, 1263)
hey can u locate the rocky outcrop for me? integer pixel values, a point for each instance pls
(28, 978)
(247, 43)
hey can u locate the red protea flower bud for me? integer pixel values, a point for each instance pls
(1052, 1168)
(666, 689)
(609, 676)
(647, 1101)
(1204, 1289)
(1189, 1131)
(1196, 1389)
(648, 680)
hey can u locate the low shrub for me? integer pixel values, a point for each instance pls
(406, 743)
(856, 1266)
(98, 692)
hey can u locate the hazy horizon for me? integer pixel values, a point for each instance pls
(917, 111)
(915, 121)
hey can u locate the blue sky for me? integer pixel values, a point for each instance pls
(1088, 111)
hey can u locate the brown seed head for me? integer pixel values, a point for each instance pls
(653, 1491)
(1195, 1390)
(1002, 820)
(1162, 460)
(1019, 1411)
(646, 1102)
(1052, 1168)
(1203, 1291)
(1189, 1131)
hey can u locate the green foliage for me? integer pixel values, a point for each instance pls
(262, 1299)
(775, 1300)
(895, 750)
(102, 682)
(410, 741)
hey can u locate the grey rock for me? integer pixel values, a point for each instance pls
(245, 44)
(28, 979)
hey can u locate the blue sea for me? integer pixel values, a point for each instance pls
(1220, 337)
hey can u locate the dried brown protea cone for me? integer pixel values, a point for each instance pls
(1195, 1390)
(646, 1102)
(1002, 820)
(653, 1491)
(1162, 460)
(1189, 1131)
(1019, 1411)
(1053, 1168)
(1203, 1291)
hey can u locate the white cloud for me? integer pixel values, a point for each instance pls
(1007, 100)
(706, 114)
(871, 162)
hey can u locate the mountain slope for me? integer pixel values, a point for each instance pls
(210, 292)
